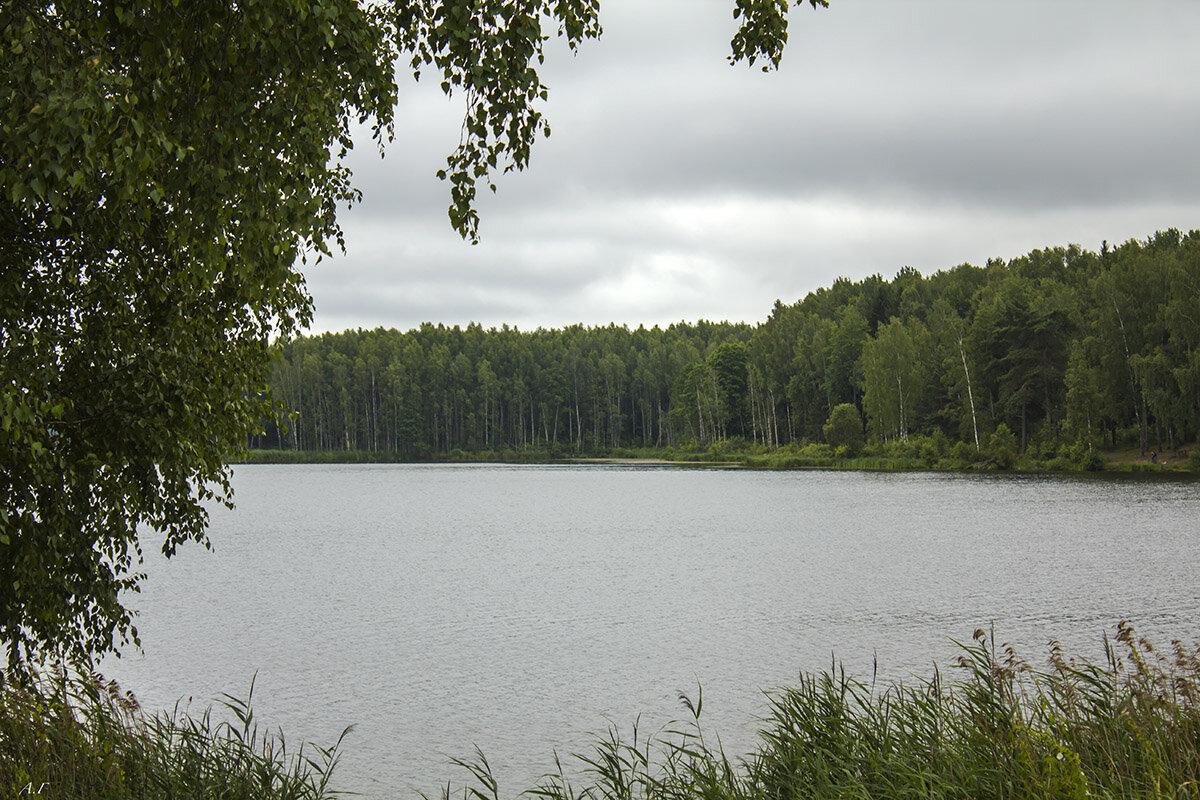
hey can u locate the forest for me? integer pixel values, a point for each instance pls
(1059, 351)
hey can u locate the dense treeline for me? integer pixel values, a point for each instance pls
(435, 389)
(1059, 348)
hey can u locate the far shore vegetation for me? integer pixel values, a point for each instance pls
(920, 453)
(1061, 359)
(990, 726)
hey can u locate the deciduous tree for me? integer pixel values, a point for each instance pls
(164, 169)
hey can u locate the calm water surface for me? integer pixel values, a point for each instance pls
(520, 609)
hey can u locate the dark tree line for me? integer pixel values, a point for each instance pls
(1060, 346)
(435, 389)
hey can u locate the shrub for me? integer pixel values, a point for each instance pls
(964, 453)
(844, 429)
(1002, 447)
(815, 451)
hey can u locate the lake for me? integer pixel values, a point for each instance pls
(521, 609)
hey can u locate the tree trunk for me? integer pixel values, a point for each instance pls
(970, 394)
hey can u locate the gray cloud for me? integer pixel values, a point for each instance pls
(676, 186)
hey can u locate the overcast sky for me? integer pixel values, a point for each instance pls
(675, 187)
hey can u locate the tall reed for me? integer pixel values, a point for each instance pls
(1126, 728)
(74, 736)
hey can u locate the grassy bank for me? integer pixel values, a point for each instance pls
(990, 726)
(918, 453)
(528, 455)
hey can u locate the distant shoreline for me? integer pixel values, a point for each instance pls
(781, 459)
(646, 462)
